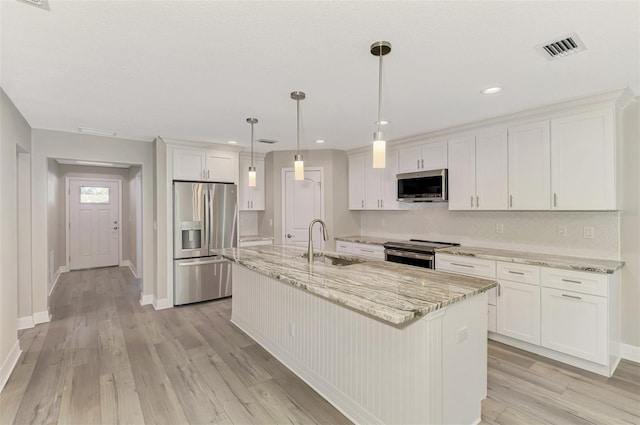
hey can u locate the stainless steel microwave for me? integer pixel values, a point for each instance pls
(423, 186)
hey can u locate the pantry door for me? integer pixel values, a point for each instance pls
(94, 223)
(302, 201)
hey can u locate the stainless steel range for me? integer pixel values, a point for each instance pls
(416, 252)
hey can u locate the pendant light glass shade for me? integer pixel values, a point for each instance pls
(298, 162)
(252, 169)
(379, 48)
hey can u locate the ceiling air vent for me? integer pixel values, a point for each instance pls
(559, 48)
(267, 141)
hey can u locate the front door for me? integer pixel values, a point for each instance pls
(302, 203)
(94, 223)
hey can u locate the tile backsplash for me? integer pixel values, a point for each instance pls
(522, 231)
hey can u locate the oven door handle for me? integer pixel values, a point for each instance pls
(408, 254)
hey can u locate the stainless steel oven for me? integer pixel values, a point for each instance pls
(415, 252)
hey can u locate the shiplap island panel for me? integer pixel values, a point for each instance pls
(383, 342)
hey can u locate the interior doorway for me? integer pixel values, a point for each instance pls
(94, 232)
(302, 201)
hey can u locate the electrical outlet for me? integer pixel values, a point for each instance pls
(562, 230)
(588, 232)
(499, 228)
(462, 334)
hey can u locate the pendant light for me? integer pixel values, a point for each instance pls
(379, 48)
(252, 169)
(297, 158)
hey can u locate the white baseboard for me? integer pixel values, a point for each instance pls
(9, 363)
(41, 317)
(146, 299)
(161, 304)
(56, 277)
(26, 322)
(630, 352)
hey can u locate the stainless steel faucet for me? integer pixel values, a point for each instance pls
(325, 235)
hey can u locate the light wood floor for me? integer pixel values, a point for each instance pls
(106, 359)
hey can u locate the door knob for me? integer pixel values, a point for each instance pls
(115, 228)
(289, 235)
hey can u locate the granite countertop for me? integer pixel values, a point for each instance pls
(395, 293)
(547, 260)
(253, 238)
(369, 240)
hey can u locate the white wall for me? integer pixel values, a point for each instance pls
(531, 231)
(56, 144)
(630, 225)
(55, 222)
(14, 131)
(135, 218)
(338, 218)
(248, 223)
(24, 237)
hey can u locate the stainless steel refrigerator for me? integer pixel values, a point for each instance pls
(205, 218)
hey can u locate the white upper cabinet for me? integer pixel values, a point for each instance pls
(203, 165)
(188, 164)
(478, 171)
(222, 166)
(428, 156)
(529, 166)
(583, 161)
(251, 198)
(372, 188)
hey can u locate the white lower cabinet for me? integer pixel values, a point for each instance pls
(568, 315)
(343, 246)
(361, 249)
(575, 324)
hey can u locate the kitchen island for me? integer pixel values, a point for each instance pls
(383, 342)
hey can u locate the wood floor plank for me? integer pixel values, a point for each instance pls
(106, 359)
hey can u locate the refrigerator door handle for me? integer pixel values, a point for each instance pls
(200, 263)
(207, 218)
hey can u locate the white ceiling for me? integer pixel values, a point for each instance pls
(196, 70)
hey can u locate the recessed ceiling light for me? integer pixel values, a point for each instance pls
(491, 90)
(382, 122)
(232, 142)
(96, 131)
(320, 141)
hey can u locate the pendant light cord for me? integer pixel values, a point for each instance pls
(298, 124)
(379, 87)
(251, 145)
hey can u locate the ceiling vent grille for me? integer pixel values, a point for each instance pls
(267, 141)
(565, 46)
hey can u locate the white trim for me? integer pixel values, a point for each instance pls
(161, 304)
(630, 352)
(67, 218)
(9, 363)
(41, 317)
(146, 299)
(132, 268)
(61, 269)
(283, 214)
(25, 323)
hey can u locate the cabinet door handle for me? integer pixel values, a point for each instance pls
(477, 202)
(366, 250)
(472, 202)
(422, 162)
(512, 272)
(463, 265)
(418, 165)
(498, 289)
(251, 204)
(382, 203)
(572, 281)
(510, 201)
(248, 205)
(572, 296)
(555, 200)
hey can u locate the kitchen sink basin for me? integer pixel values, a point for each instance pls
(334, 261)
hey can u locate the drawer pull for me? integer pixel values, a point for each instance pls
(366, 250)
(512, 272)
(572, 296)
(463, 265)
(571, 281)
